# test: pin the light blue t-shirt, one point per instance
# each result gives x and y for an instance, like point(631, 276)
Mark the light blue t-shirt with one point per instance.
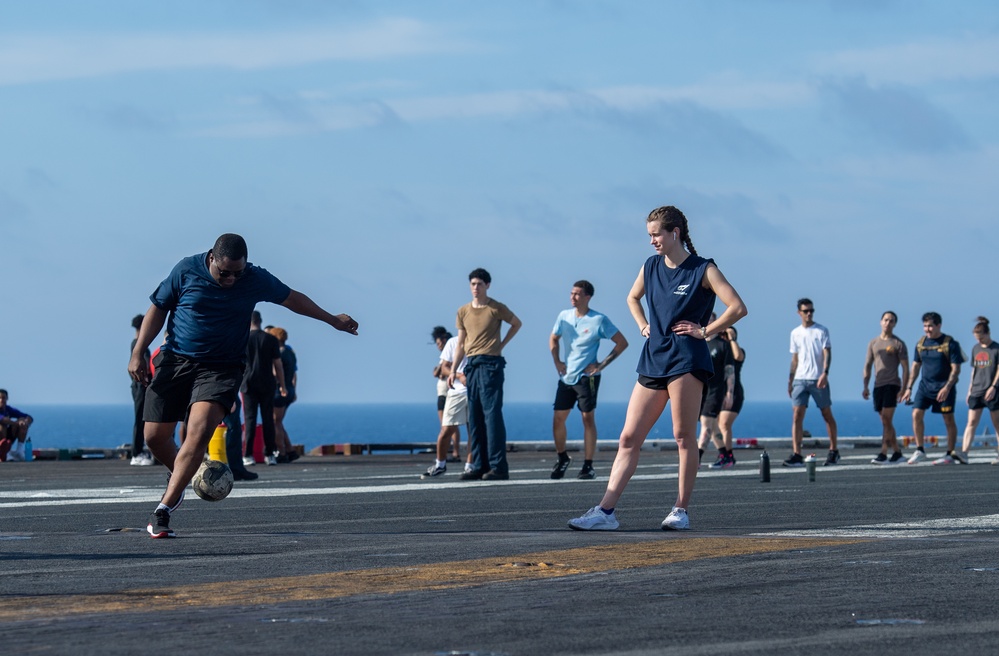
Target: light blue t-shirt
point(581, 337)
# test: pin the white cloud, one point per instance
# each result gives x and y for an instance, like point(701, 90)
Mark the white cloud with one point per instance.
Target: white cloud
point(918, 62)
point(27, 59)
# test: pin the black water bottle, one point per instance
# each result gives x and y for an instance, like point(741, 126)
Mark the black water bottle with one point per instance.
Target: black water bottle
point(765, 467)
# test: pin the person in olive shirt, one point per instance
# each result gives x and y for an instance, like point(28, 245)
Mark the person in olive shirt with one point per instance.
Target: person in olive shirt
point(479, 326)
point(888, 355)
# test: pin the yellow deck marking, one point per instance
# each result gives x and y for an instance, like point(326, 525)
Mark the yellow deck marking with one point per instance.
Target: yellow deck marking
point(388, 580)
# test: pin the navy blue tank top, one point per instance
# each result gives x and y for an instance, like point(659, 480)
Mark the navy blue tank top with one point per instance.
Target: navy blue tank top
point(675, 295)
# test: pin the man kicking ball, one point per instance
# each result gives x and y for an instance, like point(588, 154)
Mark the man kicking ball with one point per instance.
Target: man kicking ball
point(208, 298)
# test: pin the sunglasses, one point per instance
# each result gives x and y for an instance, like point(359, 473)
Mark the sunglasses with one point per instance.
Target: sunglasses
point(230, 274)
point(808, 311)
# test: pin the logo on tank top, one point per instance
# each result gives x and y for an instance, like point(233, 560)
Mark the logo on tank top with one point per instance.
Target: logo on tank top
point(681, 290)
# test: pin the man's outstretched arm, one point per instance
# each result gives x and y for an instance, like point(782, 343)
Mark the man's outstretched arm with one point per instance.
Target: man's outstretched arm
point(299, 303)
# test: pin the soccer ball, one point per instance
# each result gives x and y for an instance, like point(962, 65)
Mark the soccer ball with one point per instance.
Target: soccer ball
point(213, 482)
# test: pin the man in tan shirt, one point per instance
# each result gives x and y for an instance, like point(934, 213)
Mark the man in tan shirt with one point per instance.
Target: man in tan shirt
point(479, 326)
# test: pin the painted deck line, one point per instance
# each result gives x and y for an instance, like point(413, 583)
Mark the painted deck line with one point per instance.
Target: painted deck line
point(930, 528)
point(391, 580)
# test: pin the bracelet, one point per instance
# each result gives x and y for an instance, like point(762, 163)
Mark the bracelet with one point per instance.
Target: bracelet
point(704, 332)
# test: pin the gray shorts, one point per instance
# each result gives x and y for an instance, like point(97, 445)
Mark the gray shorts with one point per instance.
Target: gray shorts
point(802, 389)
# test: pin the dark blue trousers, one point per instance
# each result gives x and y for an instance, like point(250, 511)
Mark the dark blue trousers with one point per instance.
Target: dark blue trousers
point(484, 379)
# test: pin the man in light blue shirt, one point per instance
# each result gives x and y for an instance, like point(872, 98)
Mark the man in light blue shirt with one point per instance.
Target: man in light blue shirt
point(579, 374)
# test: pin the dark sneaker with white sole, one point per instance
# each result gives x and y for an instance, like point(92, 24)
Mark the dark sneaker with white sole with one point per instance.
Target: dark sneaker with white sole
point(159, 525)
point(561, 466)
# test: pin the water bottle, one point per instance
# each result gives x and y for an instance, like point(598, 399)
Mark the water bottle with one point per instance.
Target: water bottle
point(765, 467)
point(810, 467)
point(29, 454)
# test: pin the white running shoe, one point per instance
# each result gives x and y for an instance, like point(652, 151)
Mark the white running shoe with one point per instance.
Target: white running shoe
point(142, 460)
point(946, 460)
point(960, 457)
point(676, 520)
point(248, 461)
point(917, 456)
point(595, 519)
point(270, 460)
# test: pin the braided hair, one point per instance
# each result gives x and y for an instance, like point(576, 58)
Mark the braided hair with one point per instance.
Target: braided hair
point(671, 218)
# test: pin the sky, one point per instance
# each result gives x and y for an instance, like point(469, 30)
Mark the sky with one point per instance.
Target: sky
point(373, 153)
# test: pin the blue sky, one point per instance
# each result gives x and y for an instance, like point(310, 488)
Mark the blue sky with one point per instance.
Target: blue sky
point(373, 153)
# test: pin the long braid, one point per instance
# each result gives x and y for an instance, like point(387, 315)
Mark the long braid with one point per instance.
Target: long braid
point(685, 235)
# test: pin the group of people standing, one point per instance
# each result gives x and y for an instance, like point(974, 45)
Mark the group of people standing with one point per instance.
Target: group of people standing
point(679, 289)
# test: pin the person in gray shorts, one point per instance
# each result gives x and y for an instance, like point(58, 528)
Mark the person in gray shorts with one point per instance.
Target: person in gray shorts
point(811, 355)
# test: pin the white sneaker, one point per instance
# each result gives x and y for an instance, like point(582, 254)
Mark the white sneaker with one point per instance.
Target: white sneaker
point(946, 460)
point(270, 460)
point(141, 460)
point(595, 519)
point(248, 461)
point(676, 520)
point(960, 457)
point(917, 456)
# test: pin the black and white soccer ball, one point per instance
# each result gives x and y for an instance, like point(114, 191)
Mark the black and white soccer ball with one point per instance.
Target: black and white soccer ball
point(213, 482)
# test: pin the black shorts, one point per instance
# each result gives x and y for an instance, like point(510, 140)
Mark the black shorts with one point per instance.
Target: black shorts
point(179, 382)
point(284, 401)
point(441, 402)
point(712, 400)
point(654, 383)
point(977, 402)
point(583, 393)
point(925, 398)
point(738, 398)
point(885, 396)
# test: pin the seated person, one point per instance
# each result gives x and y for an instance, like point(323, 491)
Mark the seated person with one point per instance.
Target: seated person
point(13, 430)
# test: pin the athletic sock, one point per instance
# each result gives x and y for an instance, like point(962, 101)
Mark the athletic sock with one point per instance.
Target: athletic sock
point(163, 506)
point(605, 511)
point(441, 463)
point(563, 456)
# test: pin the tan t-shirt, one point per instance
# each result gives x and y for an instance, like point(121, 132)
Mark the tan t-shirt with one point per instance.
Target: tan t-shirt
point(482, 327)
point(887, 355)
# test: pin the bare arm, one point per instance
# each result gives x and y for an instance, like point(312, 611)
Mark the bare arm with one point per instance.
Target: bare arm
point(620, 343)
point(868, 363)
point(515, 325)
point(794, 369)
point(301, 304)
point(826, 361)
point(553, 341)
point(635, 303)
point(152, 324)
point(916, 366)
point(278, 367)
point(459, 355)
point(955, 371)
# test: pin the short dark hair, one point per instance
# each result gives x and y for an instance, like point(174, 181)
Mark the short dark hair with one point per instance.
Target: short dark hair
point(481, 274)
point(230, 246)
point(440, 332)
point(4, 392)
point(256, 319)
point(893, 315)
point(585, 286)
point(933, 317)
point(804, 301)
point(137, 321)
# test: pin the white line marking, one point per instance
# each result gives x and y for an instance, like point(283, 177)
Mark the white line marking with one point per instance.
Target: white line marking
point(930, 528)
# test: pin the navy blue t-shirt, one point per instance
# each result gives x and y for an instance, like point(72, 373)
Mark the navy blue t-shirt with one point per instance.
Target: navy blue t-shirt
point(675, 295)
point(935, 357)
point(209, 323)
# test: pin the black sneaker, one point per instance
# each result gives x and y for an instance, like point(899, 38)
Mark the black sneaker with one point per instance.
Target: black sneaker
point(586, 473)
point(471, 475)
point(434, 470)
point(719, 463)
point(493, 475)
point(243, 475)
point(879, 459)
point(159, 525)
point(558, 471)
point(896, 458)
point(795, 461)
point(832, 458)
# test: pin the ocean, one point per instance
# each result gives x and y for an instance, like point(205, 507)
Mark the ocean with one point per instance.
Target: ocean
point(315, 424)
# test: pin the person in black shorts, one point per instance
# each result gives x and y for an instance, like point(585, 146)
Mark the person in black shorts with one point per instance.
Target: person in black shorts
point(206, 303)
point(938, 357)
point(734, 391)
point(716, 393)
point(983, 389)
point(889, 357)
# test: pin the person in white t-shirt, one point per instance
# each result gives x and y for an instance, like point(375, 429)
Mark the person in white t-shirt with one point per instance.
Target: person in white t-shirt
point(811, 355)
point(455, 413)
